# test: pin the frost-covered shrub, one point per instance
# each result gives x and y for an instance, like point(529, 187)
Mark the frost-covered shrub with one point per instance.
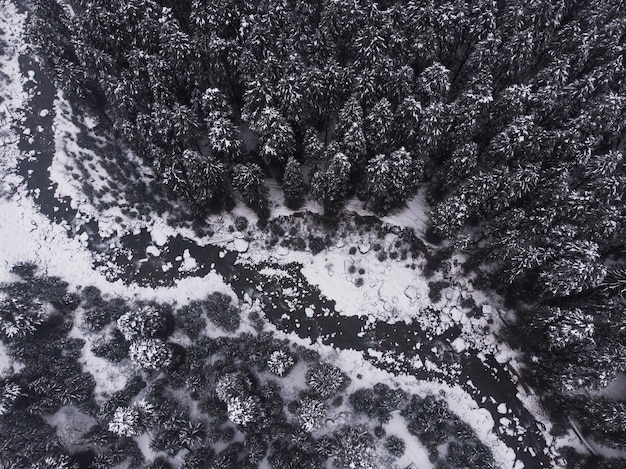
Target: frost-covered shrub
point(316, 244)
point(221, 312)
point(280, 363)
point(353, 448)
point(132, 420)
point(142, 323)
point(311, 414)
point(21, 316)
point(242, 410)
point(231, 385)
point(9, 393)
point(326, 380)
point(395, 445)
point(198, 458)
point(189, 319)
point(150, 354)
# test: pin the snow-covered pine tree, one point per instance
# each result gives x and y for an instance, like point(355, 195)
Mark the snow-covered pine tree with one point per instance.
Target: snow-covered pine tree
point(330, 186)
point(391, 179)
point(280, 362)
point(150, 354)
point(349, 132)
point(311, 414)
point(293, 184)
point(142, 323)
point(248, 180)
point(379, 127)
point(326, 380)
point(132, 420)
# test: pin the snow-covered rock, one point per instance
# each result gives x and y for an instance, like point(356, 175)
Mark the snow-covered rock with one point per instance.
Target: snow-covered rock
point(153, 251)
point(458, 345)
point(241, 245)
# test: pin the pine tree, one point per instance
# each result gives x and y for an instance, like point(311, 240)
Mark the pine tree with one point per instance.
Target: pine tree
point(311, 414)
point(391, 179)
point(293, 184)
point(378, 127)
point(132, 420)
point(248, 180)
point(150, 354)
point(280, 363)
point(142, 323)
point(330, 186)
point(326, 380)
point(349, 133)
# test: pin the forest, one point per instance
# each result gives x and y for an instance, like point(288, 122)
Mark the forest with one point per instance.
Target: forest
point(510, 115)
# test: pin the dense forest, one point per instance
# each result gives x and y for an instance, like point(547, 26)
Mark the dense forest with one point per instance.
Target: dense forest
point(510, 115)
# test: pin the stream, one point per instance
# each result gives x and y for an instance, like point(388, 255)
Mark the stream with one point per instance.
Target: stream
point(488, 382)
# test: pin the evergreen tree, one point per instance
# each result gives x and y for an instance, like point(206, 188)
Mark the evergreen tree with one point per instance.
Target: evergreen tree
point(391, 179)
point(249, 181)
point(293, 184)
point(330, 186)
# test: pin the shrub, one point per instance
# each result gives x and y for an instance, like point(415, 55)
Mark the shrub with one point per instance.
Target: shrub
point(326, 380)
point(150, 354)
point(280, 363)
point(241, 223)
point(311, 414)
point(316, 245)
point(189, 319)
point(221, 312)
point(395, 445)
point(435, 288)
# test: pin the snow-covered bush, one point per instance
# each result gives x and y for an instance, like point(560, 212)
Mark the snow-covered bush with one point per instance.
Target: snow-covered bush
point(132, 420)
point(221, 312)
point(8, 395)
point(311, 414)
point(142, 323)
point(150, 354)
point(243, 410)
point(395, 445)
point(326, 380)
point(280, 363)
point(19, 317)
point(353, 448)
point(232, 385)
point(54, 462)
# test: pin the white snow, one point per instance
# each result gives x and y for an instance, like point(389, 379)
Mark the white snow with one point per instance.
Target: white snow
point(415, 452)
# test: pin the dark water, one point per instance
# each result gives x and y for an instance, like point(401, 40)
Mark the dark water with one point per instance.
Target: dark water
point(490, 378)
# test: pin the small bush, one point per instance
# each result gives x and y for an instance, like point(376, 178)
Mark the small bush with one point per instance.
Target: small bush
point(221, 312)
point(145, 322)
point(326, 380)
point(359, 282)
point(316, 245)
point(352, 251)
point(189, 319)
point(395, 445)
point(435, 288)
point(241, 223)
